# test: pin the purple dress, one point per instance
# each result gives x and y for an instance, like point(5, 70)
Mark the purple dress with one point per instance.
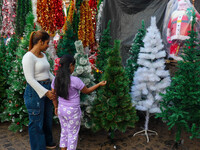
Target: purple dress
point(69, 114)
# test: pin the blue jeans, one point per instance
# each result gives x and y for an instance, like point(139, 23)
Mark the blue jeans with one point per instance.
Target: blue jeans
point(40, 112)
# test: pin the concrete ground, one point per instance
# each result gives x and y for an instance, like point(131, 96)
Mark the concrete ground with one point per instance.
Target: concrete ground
point(99, 141)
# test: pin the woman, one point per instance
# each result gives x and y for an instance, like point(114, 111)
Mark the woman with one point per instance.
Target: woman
point(38, 93)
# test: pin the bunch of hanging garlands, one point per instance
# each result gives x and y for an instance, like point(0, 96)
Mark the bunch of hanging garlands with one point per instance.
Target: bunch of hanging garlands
point(8, 13)
point(86, 29)
point(50, 15)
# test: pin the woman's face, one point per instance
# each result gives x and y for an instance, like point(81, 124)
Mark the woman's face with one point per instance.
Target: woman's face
point(45, 45)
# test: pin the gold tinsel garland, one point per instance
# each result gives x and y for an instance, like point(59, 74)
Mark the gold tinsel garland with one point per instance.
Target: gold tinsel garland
point(45, 15)
point(86, 30)
point(70, 14)
point(50, 15)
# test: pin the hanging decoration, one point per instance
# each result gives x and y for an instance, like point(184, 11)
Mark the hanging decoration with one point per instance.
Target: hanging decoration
point(93, 7)
point(34, 8)
point(86, 30)
point(23, 8)
point(99, 20)
point(51, 49)
point(59, 15)
point(70, 13)
point(50, 15)
point(1, 3)
point(9, 14)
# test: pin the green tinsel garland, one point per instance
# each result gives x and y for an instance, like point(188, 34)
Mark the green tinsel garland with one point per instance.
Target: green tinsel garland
point(23, 7)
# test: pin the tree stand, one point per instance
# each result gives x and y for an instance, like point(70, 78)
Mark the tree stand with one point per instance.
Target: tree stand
point(146, 130)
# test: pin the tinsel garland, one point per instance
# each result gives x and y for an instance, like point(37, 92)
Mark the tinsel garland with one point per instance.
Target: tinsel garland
point(34, 8)
point(99, 20)
point(69, 14)
point(50, 15)
point(99, 3)
point(86, 30)
point(1, 3)
point(23, 8)
point(59, 15)
point(9, 14)
point(93, 7)
point(78, 4)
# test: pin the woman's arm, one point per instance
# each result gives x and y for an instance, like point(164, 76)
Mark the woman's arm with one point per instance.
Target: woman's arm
point(86, 90)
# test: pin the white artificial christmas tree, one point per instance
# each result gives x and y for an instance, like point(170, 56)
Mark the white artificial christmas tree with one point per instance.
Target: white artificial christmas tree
point(151, 78)
point(83, 71)
point(51, 49)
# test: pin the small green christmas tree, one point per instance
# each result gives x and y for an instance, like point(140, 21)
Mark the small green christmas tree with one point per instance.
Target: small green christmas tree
point(66, 43)
point(102, 57)
point(112, 110)
point(75, 23)
point(83, 71)
point(132, 65)
point(15, 109)
point(181, 103)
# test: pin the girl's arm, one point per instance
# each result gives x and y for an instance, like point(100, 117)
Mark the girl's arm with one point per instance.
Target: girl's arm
point(86, 90)
point(55, 103)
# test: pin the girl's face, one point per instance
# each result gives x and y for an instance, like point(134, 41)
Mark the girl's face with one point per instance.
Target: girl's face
point(72, 67)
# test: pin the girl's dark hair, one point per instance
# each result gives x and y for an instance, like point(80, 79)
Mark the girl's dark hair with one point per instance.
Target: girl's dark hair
point(62, 80)
point(36, 36)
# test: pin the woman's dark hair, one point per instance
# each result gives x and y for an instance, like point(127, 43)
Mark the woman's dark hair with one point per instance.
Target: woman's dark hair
point(36, 36)
point(62, 80)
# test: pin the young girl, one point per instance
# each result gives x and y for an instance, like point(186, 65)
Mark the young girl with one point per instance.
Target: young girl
point(67, 88)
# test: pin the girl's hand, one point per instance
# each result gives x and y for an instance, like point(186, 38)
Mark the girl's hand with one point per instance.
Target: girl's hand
point(56, 111)
point(102, 83)
point(50, 95)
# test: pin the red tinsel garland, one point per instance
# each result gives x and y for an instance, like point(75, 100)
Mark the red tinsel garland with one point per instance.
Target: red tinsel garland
point(59, 16)
point(50, 15)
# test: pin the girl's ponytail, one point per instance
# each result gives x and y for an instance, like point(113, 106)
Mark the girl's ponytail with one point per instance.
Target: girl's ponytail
point(31, 41)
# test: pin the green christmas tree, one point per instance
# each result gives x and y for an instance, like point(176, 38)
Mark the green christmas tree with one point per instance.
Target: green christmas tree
point(83, 71)
point(66, 43)
point(181, 103)
point(2, 75)
point(75, 22)
point(15, 109)
point(10, 53)
point(102, 57)
point(23, 8)
point(112, 110)
point(132, 65)
point(7, 53)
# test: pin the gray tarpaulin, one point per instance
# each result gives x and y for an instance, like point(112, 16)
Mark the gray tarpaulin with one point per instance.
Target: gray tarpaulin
point(126, 17)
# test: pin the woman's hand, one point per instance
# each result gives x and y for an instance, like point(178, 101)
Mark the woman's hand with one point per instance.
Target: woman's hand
point(102, 83)
point(56, 111)
point(51, 95)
